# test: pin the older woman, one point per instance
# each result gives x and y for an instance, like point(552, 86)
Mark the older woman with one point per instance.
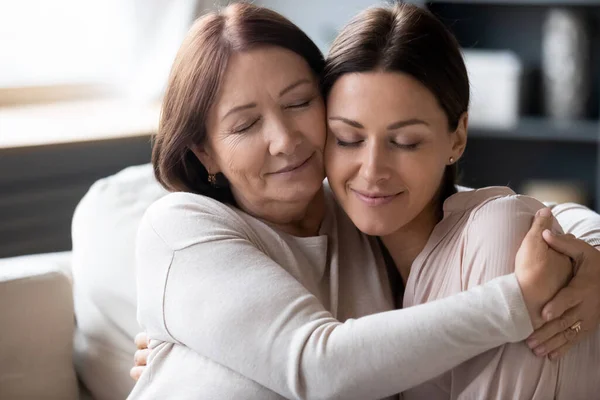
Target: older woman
point(253, 283)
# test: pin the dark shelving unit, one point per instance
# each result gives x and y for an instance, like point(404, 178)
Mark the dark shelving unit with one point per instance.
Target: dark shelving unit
point(538, 147)
point(568, 3)
point(538, 128)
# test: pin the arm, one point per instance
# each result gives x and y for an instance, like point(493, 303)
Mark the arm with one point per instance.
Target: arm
point(253, 317)
point(511, 370)
point(579, 221)
point(580, 300)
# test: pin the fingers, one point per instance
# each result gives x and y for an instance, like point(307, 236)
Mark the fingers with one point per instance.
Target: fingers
point(561, 351)
point(136, 372)
point(556, 337)
point(564, 300)
point(552, 328)
point(543, 220)
point(565, 244)
point(141, 341)
point(140, 358)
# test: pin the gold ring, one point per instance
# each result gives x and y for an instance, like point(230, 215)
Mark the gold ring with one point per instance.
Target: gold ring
point(576, 327)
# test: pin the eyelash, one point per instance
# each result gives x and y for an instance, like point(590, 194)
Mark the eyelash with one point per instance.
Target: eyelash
point(299, 105)
point(408, 147)
point(341, 143)
point(293, 106)
point(247, 127)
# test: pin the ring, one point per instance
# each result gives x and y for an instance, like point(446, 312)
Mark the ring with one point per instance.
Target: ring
point(576, 327)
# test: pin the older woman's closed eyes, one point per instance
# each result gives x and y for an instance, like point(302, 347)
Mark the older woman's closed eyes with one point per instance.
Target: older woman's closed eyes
point(252, 280)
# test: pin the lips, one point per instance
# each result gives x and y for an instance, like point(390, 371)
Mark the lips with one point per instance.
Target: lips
point(294, 166)
point(375, 198)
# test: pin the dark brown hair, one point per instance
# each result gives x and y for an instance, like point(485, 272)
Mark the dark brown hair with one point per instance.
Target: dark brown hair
point(407, 39)
point(195, 81)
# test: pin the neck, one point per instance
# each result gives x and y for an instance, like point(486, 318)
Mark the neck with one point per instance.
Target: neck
point(409, 241)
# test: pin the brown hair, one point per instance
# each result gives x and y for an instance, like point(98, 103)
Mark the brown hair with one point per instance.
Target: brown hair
point(195, 81)
point(408, 39)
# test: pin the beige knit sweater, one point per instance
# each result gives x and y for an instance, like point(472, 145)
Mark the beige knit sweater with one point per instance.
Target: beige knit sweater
point(239, 310)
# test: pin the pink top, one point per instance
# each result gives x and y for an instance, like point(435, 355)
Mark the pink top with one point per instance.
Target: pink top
point(477, 241)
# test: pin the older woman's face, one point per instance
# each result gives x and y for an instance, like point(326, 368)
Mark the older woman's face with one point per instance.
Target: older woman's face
point(267, 131)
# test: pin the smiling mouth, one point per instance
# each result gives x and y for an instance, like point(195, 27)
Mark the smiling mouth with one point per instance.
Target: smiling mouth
point(293, 167)
point(375, 199)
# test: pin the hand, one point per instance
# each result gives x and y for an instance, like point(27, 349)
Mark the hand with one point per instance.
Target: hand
point(141, 355)
point(540, 270)
point(579, 301)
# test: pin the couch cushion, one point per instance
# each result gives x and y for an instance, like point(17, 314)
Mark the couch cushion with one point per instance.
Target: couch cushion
point(104, 229)
point(37, 320)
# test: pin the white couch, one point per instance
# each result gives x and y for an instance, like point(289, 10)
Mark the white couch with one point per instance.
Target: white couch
point(72, 315)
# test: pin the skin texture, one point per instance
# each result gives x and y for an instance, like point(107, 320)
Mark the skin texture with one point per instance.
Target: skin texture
point(285, 129)
point(269, 116)
point(388, 147)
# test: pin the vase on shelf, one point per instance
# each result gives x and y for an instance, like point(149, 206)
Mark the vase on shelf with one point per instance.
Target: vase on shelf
point(566, 64)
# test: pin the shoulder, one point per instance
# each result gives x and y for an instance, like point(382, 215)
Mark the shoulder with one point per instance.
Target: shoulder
point(496, 204)
point(183, 219)
point(508, 212)
point(501, 222)
point(493, 233)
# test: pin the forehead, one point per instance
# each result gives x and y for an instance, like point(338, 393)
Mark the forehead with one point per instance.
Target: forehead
point(378, 93)
point(261, 70)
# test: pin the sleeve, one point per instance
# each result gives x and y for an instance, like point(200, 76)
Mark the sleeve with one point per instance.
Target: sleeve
point(580, 221)
point(210, 288)
point(494, 235)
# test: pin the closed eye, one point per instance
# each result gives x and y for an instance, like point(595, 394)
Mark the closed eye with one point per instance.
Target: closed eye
point(342, 143)
point(247, 127)
point(412, 146)
point(299, 105)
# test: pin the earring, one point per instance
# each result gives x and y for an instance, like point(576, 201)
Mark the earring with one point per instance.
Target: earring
point(451, 160)
point(212, 179)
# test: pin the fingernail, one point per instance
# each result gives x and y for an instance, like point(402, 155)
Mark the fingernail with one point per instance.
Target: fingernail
point(548, 232)
point(540, 351)
point(544, 212)
point(532, 343)
point(548, 316)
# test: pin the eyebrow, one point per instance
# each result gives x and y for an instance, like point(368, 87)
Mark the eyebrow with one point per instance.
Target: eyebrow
point(395, 125)
point(238, 108)
point(408, 122)
point(347, 121)
point(252, 105)
point(293, 86)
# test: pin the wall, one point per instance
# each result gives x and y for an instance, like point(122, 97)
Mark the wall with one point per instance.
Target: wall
point(321, 20)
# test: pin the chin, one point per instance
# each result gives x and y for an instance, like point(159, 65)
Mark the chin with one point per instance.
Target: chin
point(308, 188)
point(375, 228)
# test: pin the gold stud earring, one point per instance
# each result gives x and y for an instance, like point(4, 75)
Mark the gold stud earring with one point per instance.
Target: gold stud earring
point(212, 179)
point(451, 160)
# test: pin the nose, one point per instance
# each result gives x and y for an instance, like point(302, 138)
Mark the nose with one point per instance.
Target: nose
point(283, 136)
point(374, 166)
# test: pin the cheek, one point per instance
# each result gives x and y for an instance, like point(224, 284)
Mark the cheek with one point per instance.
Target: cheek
point(335, 166)
point(243, 157)
point(314, 126)
point(422, 174)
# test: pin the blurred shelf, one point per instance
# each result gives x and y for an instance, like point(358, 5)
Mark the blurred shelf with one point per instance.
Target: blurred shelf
point(531, 128)
point(569, 3)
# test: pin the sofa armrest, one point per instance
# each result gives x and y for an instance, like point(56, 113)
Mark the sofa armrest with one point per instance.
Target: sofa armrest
point(38, 322)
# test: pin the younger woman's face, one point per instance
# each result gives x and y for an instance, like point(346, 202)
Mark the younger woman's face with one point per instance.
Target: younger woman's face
point(387, 148)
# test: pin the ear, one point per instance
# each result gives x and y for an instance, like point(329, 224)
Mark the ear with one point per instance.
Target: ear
point(459, 136)
point(204, 154)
